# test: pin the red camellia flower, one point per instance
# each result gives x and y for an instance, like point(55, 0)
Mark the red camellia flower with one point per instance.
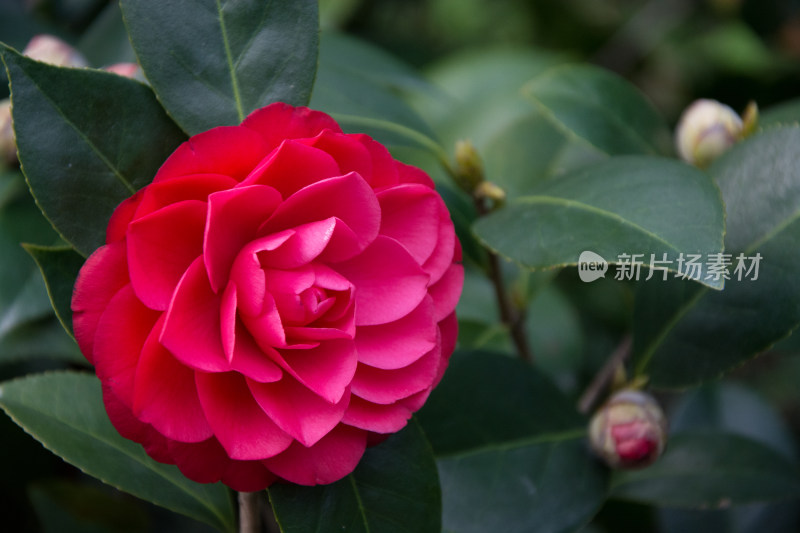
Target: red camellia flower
point(281, 295)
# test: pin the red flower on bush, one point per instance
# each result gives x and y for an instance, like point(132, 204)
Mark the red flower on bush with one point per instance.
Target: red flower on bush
point(280, 296)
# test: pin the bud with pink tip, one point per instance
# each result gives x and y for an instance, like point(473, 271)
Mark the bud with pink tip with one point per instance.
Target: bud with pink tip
point(54, 51)
point(8, 149)
point(128, 70)
point(629, 431)
point(706, 130)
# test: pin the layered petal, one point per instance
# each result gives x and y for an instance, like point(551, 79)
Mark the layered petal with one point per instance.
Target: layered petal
point(292, 166)
point(399, 343)
point(238, 422)
point(280, 121)
point(161, 246)
point(298, 411)
point(388, 386)
point(375, 417)
point(228, 150)
point(329, 460)
point(347, 198)
point(122, 332)
point(234, 217)
point(389, 283)
point(165, 394)
point(407, 212)
point(192, 329)
point(100, 278)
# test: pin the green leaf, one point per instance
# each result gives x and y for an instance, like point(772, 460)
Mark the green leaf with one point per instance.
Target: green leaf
point(510, 449)
point(601, 109)
point(106, 42)
point(625, 205)
point(64, 411)
point(87, 140)
point(362, 88)
point(547, 487)
point(732, 408)
point(23, 298)
point(735, 409)
point(394, 489)
point(516, 403)
point(44, 338)
point(787, 113)
point(711, 470)
point(212, 62)
point(683, 333)
point(59, 266)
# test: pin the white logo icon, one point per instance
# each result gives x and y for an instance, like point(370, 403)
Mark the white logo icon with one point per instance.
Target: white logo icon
point(591, 266)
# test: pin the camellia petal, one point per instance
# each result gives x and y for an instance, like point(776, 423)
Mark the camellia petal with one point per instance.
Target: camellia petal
point(233, 220)
point(376, 417)
point(192, 326)
point(280, 121)
point(118, 350)
point(406, 215)
point(165, 394)
point(399, 343)
point(348, 198)
point(157, 256)
point(229, 150)
point(240, 425)
point(292, 166)
point(329, 460)
point(298, 411)
point(389, 283)
point(388, 386)
point(102, 276)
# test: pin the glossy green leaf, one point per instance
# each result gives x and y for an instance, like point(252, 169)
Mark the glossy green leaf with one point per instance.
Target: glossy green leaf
point(516, 403)
point(44, 338)
point(87, 140)
point(59, 266)
point(548, 486)
point(683, 333)
point(106, 42)
point(601, 109)
point(510, 449)
point(64, 411)
point(736, 409)
point(394, 489)
point(362, 88)
point(23, 298)
point(711, 470)
point(212, 62)
point(625, 205)
point(733, 408)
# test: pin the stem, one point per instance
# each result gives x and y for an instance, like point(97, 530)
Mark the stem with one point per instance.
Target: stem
point(249, 515)
point(605, 375)
point(510, 315)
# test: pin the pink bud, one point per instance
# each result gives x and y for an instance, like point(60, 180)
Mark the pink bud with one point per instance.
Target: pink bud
point(629, 431)
point(129, 70)
point(8, 149)
point(54, 51)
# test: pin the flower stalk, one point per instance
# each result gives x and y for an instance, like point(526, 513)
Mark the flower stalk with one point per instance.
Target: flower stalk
point(487, 196)
point(249, 512)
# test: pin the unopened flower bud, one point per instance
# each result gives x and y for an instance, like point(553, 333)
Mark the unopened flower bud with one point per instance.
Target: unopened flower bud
point(629, 431)
point(469, 168)
point(54, 51)
point(128, 70)
point(8, 149)
point(706, 130)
